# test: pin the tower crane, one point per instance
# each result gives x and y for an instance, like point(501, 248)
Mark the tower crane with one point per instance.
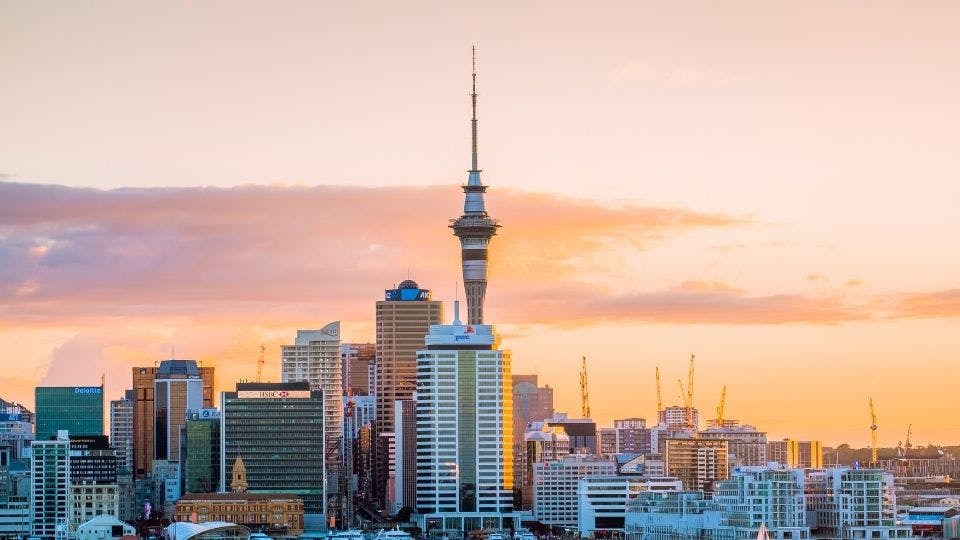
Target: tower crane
point(907, 445)
point(723, 401)
point(260, 363)
point(584, 393)
point(873, 434)
point(689, 399)
point(659, 397)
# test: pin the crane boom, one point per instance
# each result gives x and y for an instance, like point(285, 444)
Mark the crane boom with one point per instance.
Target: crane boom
point(907, 445)
point(659, 397)
point(723, 401)
point(584, 393)
point(689, 398)
point(873, 434)
point(260, 363)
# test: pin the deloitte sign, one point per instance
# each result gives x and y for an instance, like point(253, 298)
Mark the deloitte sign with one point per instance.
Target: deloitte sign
point(87, 390)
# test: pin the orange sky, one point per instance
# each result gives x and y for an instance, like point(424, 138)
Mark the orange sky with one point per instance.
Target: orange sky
point(772, 187)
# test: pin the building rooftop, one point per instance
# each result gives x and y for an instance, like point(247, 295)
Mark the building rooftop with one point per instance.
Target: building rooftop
point(178, 369)
point(245, 496)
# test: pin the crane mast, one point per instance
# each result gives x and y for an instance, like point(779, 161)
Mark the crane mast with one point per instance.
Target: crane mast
point(659, 397)
point(260, 364)
point(873, 434)
point(584, 393)
point(723, 401)
point(689, 397)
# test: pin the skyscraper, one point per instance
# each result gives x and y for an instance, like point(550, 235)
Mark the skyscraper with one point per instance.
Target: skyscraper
point(315, 358)
point(143, 413)
point(50, 485)
point(475, 227)
point(403, 318)
point(121, 431)
point(77, 409)
point(356, 359)
point(530, 403)
point(177, 389)
point(465, 421)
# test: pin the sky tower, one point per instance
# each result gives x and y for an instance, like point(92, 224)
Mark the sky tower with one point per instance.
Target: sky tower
point(474, 228)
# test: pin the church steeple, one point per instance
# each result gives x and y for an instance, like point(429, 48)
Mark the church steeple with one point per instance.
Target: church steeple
point(474, 228)
point(238, 484)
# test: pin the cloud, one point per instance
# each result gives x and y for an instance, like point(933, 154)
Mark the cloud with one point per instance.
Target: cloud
point(69, 254)
point(944, 303)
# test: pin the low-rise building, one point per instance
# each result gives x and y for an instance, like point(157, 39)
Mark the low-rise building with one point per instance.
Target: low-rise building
point(270, 512)
point(104, 527)
point(603, 500)
point(555, 498)
point(852, 503)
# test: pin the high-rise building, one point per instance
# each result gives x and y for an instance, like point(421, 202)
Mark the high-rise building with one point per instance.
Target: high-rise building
point(93, 487)
point(200, 452)
point(541, 443)
point(746, 446)
point(278, 428)
point(177, 388)
point(121, 431)
point(465, 424)
point(405, 445)
point(530, 403)
point(51, 502)
point(144, 413)
point(796, 454)
point(698, 463)
point(356, 359)
point(403, 318)
point(474, 228)
point(77, 409)
point(16, 427)
point(315, 358)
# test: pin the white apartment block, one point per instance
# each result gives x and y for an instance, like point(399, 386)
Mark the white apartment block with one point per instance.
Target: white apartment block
point(853, 504)
point(50, 500)
point(556, 483)
point(603, 499)
point(755, 496)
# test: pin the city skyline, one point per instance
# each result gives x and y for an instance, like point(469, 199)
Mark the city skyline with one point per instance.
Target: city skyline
point(789, 225)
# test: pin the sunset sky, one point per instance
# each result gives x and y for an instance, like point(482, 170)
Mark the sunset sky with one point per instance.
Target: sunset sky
point(772, 186)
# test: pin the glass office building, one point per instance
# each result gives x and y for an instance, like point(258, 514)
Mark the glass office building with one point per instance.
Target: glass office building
point(77, 409)
point(278, 429)
point(200, 452)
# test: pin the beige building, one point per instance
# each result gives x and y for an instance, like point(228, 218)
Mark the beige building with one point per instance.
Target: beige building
point(796, 454)
point(403, 319)
point(697, 462)
point(91, 500)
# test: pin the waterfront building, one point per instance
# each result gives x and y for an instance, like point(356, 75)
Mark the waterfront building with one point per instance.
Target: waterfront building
point(602, 500)
point(77, 409)
point(674, 515)
point(852, 503)
point(555, 485)
point(464, 421)
point(278, 429)
point(758, 496)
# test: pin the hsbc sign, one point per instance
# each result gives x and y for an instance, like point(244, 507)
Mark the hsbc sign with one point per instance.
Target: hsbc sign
point(273, 394)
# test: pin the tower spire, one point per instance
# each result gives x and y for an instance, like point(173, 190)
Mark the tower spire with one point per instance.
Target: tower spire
point(474, 228)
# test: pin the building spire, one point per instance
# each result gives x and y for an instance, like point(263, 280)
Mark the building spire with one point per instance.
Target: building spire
point(474, 168)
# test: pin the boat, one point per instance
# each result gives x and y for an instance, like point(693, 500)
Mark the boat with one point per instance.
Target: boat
point(394, 534)
point(349, 534)
point(524, 535)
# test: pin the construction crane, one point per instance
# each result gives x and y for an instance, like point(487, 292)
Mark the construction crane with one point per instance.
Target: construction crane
point(584, 394)
point(907, 446)
point(260, 363)
point(723, 401)
point(873, 434)
point(659, 397)
point(689, 399)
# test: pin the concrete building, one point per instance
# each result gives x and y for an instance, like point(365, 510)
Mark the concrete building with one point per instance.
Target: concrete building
point(405, 444)
point(674, 515)
point(698, 463)
point(356, 359)
point(796, 454)
point(465, 425)
point(530, 403)
point(582, 432)
point(746, 446)
point(121, 432)
point(603, 500)
point(16, 427)
point(852, 504)
point(675, 416)
point(555, 485)
point(144, 412)
point(94, 489)
point(755, 496)
point(50, 504)
point(77, 409)
point(403, 318)
point(315, 358)
point(177, 388)
point(278, 429)
point(541, 443)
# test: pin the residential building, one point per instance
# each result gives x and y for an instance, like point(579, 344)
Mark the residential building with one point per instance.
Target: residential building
point(315, 358)
point(852, 504)
point(759, 496)
point(674, 515)
point(602, 500)
point(403, 318)
point(555, 485)
point(464, 421)
point(675, 416)
point(698, 463)
point(746, 446)
point(278, 429)
point(77, 409)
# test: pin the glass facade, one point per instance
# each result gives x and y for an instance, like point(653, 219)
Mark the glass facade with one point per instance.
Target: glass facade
point(278, 430)
point(200, 453)
point(77, 409)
